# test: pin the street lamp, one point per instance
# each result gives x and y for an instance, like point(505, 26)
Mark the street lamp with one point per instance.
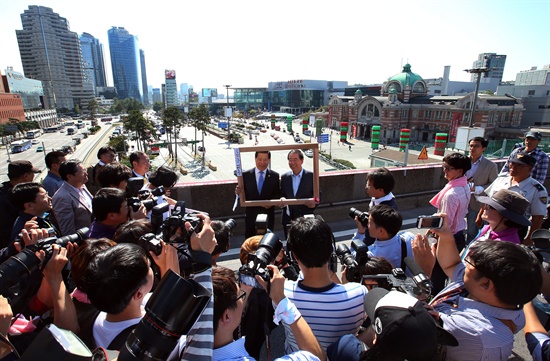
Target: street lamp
point(228, 114)
point(477, 71)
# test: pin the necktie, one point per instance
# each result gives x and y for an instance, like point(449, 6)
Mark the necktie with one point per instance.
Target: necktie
point(260, 182)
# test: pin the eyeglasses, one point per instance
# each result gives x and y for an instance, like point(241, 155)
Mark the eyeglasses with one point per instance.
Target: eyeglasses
point(243, 296)
point(470, 263)
point(448, 168)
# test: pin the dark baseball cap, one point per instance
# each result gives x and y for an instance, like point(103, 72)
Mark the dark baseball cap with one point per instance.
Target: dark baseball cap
point(19, 168)
point(403, 324)
point(533, 134)
point(524, 158)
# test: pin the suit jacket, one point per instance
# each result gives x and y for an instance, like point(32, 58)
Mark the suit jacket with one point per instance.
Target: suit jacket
point(71, 212)
point(485, 175)
point(305, 190)
point(270, 190)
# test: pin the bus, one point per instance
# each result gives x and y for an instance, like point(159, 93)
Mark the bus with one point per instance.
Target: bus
point(51, 129)
point(20, 146)
point(35, 133)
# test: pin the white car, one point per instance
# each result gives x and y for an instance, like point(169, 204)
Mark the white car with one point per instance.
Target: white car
point(35, 141)
point(308, 153)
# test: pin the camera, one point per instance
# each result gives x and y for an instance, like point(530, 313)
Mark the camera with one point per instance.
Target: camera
point(23, 264)
point(143, 194)
point(135, 202)
point(429, 222)
point(418, 286)
point(261, 224)
point(354, 259)
point(363, 217)
point(268, 249)
point(168, 229)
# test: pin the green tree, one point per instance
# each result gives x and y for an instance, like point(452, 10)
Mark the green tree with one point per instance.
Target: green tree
point(157, 106)
point(171, 118)
point(136, 122)
point(119, 143)
point(77, 109)
point(93, 108)
point(200, 118)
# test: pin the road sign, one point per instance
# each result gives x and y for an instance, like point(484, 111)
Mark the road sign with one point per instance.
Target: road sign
point(423, 154)
point(222, 125)
point(322, 138)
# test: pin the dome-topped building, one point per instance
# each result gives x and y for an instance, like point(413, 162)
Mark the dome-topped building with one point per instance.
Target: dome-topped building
point(406, 84)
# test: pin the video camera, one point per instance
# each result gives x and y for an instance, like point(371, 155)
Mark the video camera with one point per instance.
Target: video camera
point(363, 217)
point(17, 268)
point(354, 259)
point(419, 286)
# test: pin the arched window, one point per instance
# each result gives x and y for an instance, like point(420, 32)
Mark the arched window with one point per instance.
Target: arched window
point(419, 87)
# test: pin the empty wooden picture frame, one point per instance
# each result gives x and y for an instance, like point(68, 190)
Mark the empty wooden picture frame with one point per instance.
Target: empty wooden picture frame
point(274, 148)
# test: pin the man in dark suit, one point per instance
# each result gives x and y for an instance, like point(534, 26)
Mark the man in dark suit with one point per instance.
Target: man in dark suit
point(480, 176)
point(260, 183)
point(296, 184)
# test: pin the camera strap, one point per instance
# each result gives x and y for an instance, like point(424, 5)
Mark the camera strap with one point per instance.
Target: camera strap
point(403, 252)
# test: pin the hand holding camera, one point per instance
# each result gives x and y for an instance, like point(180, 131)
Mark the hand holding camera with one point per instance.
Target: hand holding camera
point(166, 259)
point(205, 240)
point(277, 284)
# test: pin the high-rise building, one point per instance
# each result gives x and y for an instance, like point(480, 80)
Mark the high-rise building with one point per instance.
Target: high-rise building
point(126, 64)
point(157, 97)
point(94, 63)
point(144, 77)
point(490, 60)
point(171, 89)
point(184, 95)
point(51, 52)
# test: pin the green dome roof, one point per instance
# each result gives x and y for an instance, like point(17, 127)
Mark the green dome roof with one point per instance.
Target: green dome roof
point(406, 77)
point(358, 91)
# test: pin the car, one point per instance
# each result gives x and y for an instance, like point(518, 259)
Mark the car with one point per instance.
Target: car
point(308, 153)
point(40, 149)
point(61, 130)
point(35, 141)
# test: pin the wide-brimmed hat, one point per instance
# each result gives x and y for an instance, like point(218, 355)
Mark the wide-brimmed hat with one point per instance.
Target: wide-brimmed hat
point(510, 204)
point(524, 158)
point(402, 323)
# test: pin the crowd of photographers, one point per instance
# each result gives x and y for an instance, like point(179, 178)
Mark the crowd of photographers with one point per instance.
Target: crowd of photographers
point(105, 254)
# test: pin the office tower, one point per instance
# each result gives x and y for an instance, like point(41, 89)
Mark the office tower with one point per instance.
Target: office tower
point(50, 52)
point(144, 77)
point(126, 64)
point(171, 89)
point(92, 56)
point(490, 60)
point(184, 95)
point(157, 97)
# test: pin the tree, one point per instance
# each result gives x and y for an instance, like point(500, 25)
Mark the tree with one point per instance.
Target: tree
point(77, 109)
point(136, 122)
point(200, 118)
point(93, 108)
point(157, 106)
point(119, 143)
point(171, 118)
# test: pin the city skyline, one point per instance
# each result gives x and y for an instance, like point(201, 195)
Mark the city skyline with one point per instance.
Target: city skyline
point(248, 44)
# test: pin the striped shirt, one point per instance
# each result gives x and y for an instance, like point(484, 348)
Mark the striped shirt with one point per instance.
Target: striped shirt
point(331, 312)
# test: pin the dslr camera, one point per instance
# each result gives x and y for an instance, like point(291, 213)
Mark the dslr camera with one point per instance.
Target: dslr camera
point(363, 217)
point(267, 251)
point(354, 259)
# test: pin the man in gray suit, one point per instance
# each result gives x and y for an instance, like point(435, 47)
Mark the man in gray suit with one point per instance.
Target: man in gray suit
point(72, 203)
point(480, 176)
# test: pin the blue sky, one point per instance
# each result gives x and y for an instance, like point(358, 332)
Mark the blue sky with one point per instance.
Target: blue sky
point(248, 43)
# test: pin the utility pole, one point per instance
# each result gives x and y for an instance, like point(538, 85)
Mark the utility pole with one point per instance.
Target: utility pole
point(479, 71)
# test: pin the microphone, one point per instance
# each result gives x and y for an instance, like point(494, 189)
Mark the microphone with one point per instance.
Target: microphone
point(420, 277)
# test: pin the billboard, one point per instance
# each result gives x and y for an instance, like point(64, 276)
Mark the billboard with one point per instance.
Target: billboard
point(209, 92)
point(170, 74)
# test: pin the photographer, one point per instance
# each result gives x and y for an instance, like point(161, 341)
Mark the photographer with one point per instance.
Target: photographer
point(482, 306)
point(222, 231)
point(114, 175)
point(229, 301)
point(317, 297)
point(384, 225)
point(110, 210)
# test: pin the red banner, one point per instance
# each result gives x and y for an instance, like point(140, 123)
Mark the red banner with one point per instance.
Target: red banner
point(455, 121)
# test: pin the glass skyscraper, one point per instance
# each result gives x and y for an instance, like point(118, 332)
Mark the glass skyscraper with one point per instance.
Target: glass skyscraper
point(92, 56)
point(144, 77)
point(126, 64)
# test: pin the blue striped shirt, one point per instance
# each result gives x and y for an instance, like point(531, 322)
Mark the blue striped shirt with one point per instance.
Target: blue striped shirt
point(331, 312)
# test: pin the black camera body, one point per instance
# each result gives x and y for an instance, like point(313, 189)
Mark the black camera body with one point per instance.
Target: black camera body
point(23, 264)
point(363, 217)
point(416, 287)
point(135, 202)
point(354, 259)
point(267, 251)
